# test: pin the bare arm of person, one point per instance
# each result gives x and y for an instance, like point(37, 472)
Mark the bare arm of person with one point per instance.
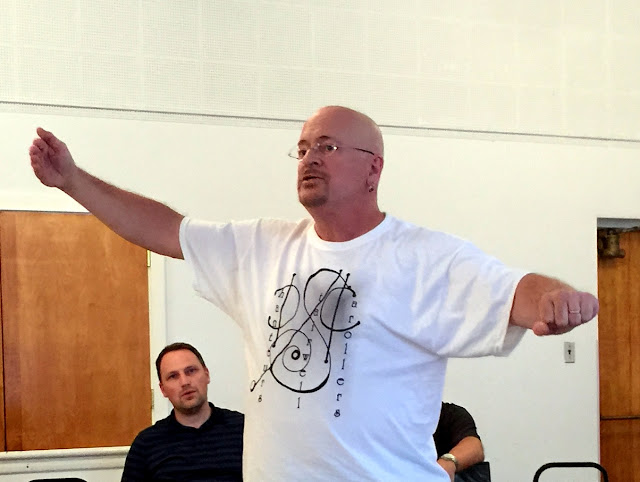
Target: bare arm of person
point(468, 451)
point(138, 219)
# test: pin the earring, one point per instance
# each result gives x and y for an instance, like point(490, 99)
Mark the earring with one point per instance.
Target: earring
point(370, 188)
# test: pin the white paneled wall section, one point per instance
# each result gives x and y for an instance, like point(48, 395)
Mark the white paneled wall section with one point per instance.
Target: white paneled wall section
point(556, 67)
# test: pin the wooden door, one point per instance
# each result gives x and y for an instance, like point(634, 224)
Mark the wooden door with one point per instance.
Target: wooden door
point(3, 441)
point(619, 351)
point(75, 327)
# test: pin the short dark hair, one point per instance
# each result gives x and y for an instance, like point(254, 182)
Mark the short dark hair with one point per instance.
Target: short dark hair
point(175, 347)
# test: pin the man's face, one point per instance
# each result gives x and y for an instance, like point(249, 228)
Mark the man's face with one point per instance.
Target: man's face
point(183, 380)
point(341, 178)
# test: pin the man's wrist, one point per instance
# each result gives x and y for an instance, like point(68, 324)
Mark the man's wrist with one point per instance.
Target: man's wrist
point(450, 458)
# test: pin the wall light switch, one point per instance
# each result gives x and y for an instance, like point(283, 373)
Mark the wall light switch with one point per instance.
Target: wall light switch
point(569, 352)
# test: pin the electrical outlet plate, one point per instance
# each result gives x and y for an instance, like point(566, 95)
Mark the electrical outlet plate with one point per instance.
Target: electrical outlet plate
point(569, 352)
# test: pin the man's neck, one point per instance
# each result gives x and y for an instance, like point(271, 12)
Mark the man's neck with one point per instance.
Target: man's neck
point(196, 419)
point(337, 227)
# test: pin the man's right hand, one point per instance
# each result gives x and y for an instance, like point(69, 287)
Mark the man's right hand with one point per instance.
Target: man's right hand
point(51, 160)
point(138, 219)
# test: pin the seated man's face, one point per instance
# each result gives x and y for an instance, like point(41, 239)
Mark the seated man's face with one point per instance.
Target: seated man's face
point(184, 381)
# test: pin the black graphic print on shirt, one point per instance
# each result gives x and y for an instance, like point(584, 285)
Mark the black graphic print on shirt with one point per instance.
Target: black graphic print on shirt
point(309, 334)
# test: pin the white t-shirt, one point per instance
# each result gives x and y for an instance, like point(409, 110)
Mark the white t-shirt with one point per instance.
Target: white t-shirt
point(347, 343)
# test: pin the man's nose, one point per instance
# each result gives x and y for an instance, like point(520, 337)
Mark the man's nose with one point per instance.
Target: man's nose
point(312, 156)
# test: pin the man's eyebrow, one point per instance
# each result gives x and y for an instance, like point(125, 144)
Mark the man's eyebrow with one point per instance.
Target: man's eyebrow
point(173, 372)
point(319, 139)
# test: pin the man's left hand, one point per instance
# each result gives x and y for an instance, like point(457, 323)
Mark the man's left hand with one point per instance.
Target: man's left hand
point(561, 310)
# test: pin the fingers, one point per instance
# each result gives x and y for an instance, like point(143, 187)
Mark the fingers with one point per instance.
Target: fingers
point(540, 328)
point(46, 135)
point(38, 151)
point(48, 139)
point(563, 309)
point(38, 145)
point(34, 150)
point(42, 145)
point(46, 147)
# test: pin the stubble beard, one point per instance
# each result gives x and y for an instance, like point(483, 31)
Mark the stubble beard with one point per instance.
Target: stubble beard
point(312, 199)
point(191, 409)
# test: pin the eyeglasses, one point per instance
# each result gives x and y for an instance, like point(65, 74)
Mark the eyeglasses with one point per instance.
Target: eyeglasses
point(322, 149)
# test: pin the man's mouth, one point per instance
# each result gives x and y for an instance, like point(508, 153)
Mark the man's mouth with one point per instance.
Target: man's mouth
point(310, 177)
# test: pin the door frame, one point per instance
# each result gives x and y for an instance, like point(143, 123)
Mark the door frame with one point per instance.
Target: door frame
point(607, 223)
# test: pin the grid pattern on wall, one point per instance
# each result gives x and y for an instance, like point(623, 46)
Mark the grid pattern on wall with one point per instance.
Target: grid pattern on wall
point(558, 67)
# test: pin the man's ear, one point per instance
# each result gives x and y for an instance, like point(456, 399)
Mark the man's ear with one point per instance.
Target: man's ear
point(206, 370)
point(375, 170)
point(378, 164)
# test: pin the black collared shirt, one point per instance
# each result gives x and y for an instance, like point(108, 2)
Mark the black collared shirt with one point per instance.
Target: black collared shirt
point(170, 451)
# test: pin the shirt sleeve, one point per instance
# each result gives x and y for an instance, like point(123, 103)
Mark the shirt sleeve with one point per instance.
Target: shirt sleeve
point(477, 295)
point(211, 250)
point(226, 259)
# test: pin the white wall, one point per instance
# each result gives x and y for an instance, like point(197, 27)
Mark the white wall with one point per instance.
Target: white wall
point(533, 204)
point(559, 67)
point(102, 464)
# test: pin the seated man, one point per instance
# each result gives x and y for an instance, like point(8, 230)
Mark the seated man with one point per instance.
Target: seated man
point(197, 441)
point(458, 445)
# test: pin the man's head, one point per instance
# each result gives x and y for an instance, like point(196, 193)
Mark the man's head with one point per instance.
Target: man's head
point(344, 177)
point(183, 377)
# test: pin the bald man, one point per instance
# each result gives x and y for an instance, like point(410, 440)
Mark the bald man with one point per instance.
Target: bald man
point(349, 316)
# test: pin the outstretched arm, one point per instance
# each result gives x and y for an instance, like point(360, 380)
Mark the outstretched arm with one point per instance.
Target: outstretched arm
point(550, 307)
point(138, 219)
